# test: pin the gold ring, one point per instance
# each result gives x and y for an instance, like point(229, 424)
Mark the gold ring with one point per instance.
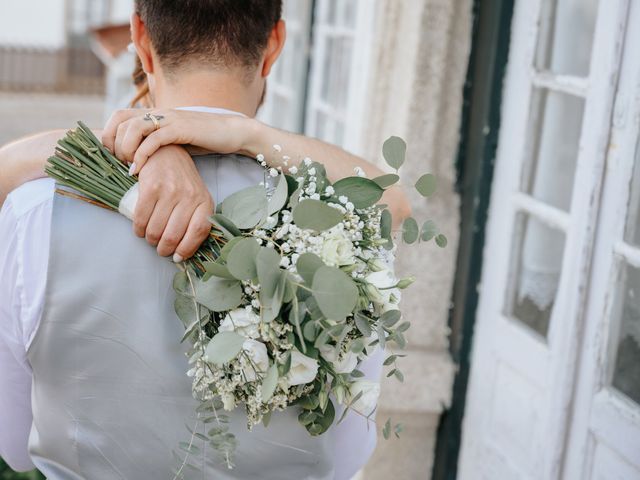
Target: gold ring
point(154, 118)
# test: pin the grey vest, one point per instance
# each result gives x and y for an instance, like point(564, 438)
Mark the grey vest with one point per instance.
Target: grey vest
point(110, 395)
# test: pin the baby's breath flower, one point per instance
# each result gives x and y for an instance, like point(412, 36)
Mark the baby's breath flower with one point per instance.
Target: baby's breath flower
point(277, 147)
point(293, 170)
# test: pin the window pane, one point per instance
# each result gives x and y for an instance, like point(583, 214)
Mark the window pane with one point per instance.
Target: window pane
point(336, 71)
point(566, 36)
point(556, 120)
point(633, 217)
point(626, 374)
point(536, 262)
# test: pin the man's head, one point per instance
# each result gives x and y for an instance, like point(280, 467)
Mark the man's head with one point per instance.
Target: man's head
point(242, 38)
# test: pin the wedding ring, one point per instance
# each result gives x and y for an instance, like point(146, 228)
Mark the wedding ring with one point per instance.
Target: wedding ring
point(154, 118)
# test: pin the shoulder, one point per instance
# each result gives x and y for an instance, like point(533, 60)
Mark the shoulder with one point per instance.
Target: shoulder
point(29, 197)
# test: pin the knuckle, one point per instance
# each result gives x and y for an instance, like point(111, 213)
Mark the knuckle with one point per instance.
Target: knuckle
point(153, 237)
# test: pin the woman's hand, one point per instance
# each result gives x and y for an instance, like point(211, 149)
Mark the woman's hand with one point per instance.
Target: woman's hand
point(133, 138)
point(174, 204)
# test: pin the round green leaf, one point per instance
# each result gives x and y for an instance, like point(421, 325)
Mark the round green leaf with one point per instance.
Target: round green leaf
point(269, 383)
point(241, 260)
point(218, 294)
point(226, 225)
point(316, 215)
point(410, 230)
point(387, 180)
point(360, 191)
point(224, 347)
point(272, 282)
point(394, 150)
point(429, 230)
point(246, 208)
point(441, 240)
point(307, 265)
point(335, 292)
point(279, 197)
point(427, 185)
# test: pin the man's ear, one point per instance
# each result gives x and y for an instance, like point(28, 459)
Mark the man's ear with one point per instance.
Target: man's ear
point(142, 43)
point(275, 43)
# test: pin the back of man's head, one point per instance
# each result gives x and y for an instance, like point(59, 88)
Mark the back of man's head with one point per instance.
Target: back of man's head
point(224, 33)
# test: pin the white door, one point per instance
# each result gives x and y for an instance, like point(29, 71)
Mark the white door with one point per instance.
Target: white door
point(604, 440)
point(556, 123)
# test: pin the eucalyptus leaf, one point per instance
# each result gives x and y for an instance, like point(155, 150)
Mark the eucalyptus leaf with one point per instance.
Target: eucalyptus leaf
point(269, 383)
point(224, 251)
point(181, 284)
point(241, 260)
point(410, 230)
point(247, 207)
point(394, 151)
point(427, 185)
point(269, 277)
point(387, 180)
point(185, 309)
point(390, 318)
point(227, 226)
point(223, 347)
point(217, 270)
point(363, 324)
point(429, 230)
point(218, 294)
point(441, 240)
point(279, 197)
point(316, 215)
point(385, 228)
point(362, 192)
point(307, 265)
point(335, 292)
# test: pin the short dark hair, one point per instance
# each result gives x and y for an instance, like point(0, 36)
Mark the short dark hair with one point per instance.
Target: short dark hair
point(214, 32)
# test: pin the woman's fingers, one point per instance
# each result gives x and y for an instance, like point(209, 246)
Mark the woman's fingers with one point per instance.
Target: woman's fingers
point(197, 232)
point(111, 128)
point(136, 130)
point(175, 229)
point(150, 145)
point(144, 209)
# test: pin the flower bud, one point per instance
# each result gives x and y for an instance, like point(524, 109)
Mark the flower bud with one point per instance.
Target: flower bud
point(405, 282)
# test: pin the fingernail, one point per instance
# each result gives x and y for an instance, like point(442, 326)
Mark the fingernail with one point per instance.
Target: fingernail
point(177, 258)
point(132, 168)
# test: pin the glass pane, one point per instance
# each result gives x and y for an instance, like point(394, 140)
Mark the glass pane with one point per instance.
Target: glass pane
point(556, 121)
point(632, 234)
point(566, 36)
point(336, 71)
point(536, 262)
point(626, 374)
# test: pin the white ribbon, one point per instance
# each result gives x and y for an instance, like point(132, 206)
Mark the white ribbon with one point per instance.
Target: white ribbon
point(128, 203)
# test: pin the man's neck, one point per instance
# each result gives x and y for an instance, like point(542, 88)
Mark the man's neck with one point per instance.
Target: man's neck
point(207, 89)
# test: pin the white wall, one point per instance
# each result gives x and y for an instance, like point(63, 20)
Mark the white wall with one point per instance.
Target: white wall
point(121, 11)
point(36, 23)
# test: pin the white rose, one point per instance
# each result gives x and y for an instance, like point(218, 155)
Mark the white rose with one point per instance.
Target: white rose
point(344, 363)
point(243, 321)
point(369, 399)
point(337, 249)
point(257, 352)
point(387, 298)
point(303, 369)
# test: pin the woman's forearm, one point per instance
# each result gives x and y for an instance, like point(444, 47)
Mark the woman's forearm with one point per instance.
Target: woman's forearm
point(24, 159)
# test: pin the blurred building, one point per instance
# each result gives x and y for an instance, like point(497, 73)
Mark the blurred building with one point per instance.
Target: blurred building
point(524, 351)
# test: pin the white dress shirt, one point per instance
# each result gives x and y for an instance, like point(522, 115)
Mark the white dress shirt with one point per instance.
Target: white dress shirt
point(25, 228)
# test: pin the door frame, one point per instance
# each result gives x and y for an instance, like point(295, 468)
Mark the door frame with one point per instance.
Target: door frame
point(479, 134)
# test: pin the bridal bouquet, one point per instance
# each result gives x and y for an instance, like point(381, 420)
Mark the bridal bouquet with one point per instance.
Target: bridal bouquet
point(290, 292)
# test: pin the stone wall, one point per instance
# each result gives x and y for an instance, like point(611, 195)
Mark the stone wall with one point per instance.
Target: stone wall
point(419, 68)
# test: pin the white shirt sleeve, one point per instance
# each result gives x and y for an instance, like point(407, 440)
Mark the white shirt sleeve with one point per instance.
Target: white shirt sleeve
point(24, 253)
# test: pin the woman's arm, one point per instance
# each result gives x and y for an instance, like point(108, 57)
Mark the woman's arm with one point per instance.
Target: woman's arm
point(134, 138)
point(24, 160)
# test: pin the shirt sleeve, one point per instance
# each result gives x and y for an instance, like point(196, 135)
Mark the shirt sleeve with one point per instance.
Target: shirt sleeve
point(15, 373)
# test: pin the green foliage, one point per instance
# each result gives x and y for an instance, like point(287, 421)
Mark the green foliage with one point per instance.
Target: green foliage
point(335, 292)
point(218, 294)
point(223, 347)
point(241, 261)
point(316, 215)
point(426, 185)
point(387, 180)
point(247, 207)
point(307, 265)
point(362, 192)
point(394, 151)
point(410, 230)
